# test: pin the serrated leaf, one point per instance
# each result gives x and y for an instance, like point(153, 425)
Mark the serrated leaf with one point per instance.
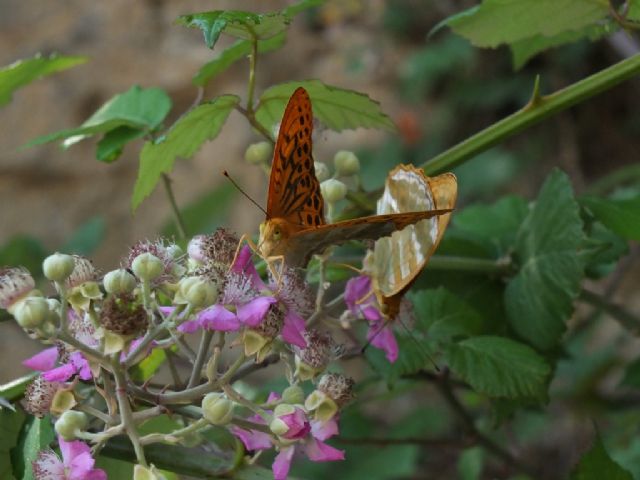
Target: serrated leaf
point(621, 216)
point(10, 426)
point(184, 139)
point(36, 434)
point(499, 367)
point(443, 316)
point(523, 50)
point(237, 23)
point(23, 72)
point(338, 108)
point(111, 145)
point(495, 22)
point(86, 238)
point(238, 51)
point(596, 464)
point(539, 299)
point(137, 108)
point(413, 356)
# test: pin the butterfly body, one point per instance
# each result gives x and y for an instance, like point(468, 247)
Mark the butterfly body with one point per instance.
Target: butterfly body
point(295, 227)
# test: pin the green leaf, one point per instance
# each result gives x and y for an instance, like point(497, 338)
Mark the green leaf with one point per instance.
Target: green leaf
point(111, 145)
point(525, 49)
point(137, 108)
point(601, 250)
point(634, 10)
point(238, 51)
point(298, 7)
point(443, 315)
point(540, 297)
point(202, 123)
point(206, 213)
point(23, 72)
point(240, 24)
point(495, 22)
point(413, 356)
point(14, 389)
point(500, 367)
point(470, 463)
point(86, 238)
point(23, 251)
point(338, 108)
point(621, 216)
point(631, 375)
point(596, 464)
point(148, 367)
point(36, 434)
point(10, 426)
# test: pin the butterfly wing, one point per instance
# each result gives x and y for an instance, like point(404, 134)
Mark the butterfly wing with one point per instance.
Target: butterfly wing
point(294, 190)
point(397, 260)
point(313, 240)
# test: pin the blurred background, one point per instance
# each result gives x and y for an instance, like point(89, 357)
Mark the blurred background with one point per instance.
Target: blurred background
point(438, 90)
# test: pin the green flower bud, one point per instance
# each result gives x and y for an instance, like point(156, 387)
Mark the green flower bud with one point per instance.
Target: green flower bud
point(333, 190)
point(119, 281)
point(144, 473)
point(32, 312)
point(346, 163)
point(58, 267)
point(196, 291)
point(293, 394)
point(258, 153)
point(217, 409)
point(147, 266)
point(322, 171)
point(283, 409)
point(69, 423)
point(278, 427)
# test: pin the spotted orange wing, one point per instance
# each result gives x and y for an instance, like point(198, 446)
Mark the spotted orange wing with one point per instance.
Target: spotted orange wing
point(294, 190)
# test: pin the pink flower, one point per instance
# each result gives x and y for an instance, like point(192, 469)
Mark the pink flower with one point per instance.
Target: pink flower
point(46, 360)
point(76, 464)
point(253, 439)
point(362, 302)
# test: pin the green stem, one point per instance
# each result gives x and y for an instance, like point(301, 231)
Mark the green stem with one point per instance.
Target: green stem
point(539, 108)
point(253, 59)
point(501, 266)
point(182, 231)
point(203, 349)
point(626, 319)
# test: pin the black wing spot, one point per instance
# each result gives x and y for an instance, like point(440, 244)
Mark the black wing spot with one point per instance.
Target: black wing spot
point(299, 168)
point(307, 162)
point(305, 147)
point(287, 138)
point(299, 109)
point(309, 202)
point(300, 134)
point(316, 202)
point(301, 120)
point(317, 219)
point(306, 131)
point(300, 154)
point(310, 219)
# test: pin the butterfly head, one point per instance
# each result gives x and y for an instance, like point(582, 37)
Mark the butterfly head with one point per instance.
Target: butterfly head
point(274, 234)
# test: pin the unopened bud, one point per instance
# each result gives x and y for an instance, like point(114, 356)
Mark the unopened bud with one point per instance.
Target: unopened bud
point(70, 423)
point(322, 171)
point(333, 190)
point(119, 281)
point(31, 312)
point(147, 266)
point(293, 395)
point(346, 163)
point(147, 473)
point(58, 267)
point(217, 409)
point(196, 291)
point(258, 153)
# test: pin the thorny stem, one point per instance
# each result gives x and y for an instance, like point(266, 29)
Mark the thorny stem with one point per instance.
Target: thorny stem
point(203, 350)
point(125, 411)
point(182, 231)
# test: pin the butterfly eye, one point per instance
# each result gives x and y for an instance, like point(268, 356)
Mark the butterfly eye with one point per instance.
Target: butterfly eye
point(276, 234)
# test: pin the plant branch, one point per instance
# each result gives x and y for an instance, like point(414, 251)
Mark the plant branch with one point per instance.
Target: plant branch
point(250, 116)
point(182, 231)
point(539, 108)
point(203, 350)
point(625, 318)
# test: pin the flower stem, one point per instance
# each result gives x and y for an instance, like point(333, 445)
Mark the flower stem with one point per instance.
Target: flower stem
point(538, 108)
point(182, 231)
point(253, 60)
point(203, 350)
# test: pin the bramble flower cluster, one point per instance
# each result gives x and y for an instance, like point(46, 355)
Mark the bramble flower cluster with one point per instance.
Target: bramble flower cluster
point(97, 328)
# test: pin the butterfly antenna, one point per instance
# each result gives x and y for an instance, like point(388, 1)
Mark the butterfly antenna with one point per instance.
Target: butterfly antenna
point(226, 174)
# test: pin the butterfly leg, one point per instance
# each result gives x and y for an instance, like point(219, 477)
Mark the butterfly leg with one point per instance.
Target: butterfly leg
point(245, 238)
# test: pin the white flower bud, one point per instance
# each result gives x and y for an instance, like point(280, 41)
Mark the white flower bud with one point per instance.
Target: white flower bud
point(333, 190)
point(197, 291)
point(69, 423)
point(322, 171)
point(31, 312)
point(217, 409)
point(119, 281)
point(293, 395)
point(346, 163)
point(58, 267)
point(147, 266)
point(258, 153)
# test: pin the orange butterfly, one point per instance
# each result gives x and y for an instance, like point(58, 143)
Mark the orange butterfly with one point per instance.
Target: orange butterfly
point(295, 228)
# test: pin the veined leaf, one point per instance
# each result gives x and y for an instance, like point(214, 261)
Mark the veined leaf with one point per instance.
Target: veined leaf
point(10, 426)
point(500, 367)
point(137, 108)
point(36, 434)
point(338, 108)
point(183, 140)
point(596, 464)
point(111, 145)
point(23, 72)
point(240, 24)
point(621, 216)
point(495, 22)
point(540, 297)
point(235, 52)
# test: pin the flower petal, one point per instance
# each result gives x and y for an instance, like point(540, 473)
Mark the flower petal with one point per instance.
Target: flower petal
point(252, 439)
point(219, 318)
point(189, 326)
point(47, 466)
point(282, 463)
point(297, 423)
point(371, 313)
point(293, 329)
point(81, 365)
point(356, 289)
point(80, 466)
point(42, 361)
point(72, 449)
point(96, 474)
point(243, 264)
point(324, 430)
point(318, 451)
point(60, 374)
point(253, 312)
point(381, 336)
